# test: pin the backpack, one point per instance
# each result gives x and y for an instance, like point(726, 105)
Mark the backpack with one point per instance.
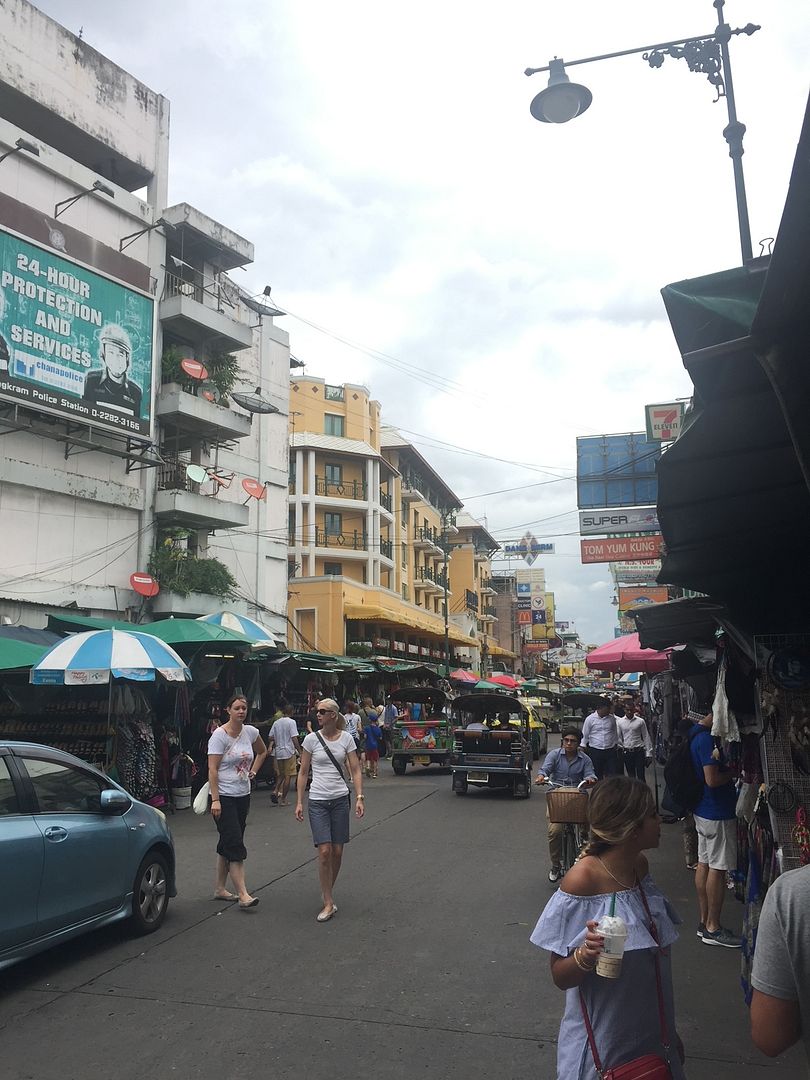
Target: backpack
point(684, 786)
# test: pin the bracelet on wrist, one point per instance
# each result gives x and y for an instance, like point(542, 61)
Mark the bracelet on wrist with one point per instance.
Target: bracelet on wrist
point(580, 962)
point(361, 796)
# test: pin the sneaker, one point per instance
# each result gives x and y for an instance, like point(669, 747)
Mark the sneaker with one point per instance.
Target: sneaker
point(555, 873)
point(274, 799)
point(701, 930)
point(723, 937)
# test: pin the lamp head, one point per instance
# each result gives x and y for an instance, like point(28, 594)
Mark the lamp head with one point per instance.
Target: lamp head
point(561, 100)
point(28, 146)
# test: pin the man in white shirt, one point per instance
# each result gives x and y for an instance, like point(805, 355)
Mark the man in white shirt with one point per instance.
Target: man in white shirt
point(635, 744)
point(285, 747)
point(600, 740)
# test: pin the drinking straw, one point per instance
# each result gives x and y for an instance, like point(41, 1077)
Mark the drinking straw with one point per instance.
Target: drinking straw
point(613, 905)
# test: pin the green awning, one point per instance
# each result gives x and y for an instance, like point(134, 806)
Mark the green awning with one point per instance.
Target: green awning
point(713, 309)
point(192, 632)
point(72, 624)
point(19, 654)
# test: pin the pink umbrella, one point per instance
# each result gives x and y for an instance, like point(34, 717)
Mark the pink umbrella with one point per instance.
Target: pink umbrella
point(504, 680)
point(626, 654)
point(463, 676)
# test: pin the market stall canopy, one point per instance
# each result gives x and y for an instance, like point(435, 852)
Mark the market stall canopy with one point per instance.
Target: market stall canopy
point(694, 619)
point(501, 679)
point(64, 623)
point(194, 632)
point(19, 654)
point(241, 624)
point(29, 635)
point(92, 658)
point(626, 654)
point(734, 489)
point(462, 676)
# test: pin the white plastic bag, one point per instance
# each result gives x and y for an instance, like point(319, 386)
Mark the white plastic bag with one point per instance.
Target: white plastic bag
point(200, 803)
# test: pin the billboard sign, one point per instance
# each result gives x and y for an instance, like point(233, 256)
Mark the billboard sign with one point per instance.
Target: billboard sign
point(528, 548)
point(73, 342)
point(621, 548)
point(617, 470)
point(665, 422)
point(637, 596)
point(632, 519)
point(524, 618)
point(641, 571)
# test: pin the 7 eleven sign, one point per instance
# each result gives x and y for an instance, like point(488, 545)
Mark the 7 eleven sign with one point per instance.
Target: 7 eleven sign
point(664, 422)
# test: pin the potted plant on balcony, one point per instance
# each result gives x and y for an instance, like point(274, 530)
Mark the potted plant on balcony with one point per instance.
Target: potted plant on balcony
point(358, 648)
point(179, 572)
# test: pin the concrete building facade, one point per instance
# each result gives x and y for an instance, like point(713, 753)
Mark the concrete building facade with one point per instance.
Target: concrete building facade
point(98, 272)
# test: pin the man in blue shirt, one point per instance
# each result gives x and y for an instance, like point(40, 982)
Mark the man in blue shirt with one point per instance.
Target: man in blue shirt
point(716, 824)
point(568, 766)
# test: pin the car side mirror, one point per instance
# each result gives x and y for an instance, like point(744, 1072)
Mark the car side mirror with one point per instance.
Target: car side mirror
point(114, 801)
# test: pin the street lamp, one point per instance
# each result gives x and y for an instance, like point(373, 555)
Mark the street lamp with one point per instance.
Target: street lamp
point(708, 55)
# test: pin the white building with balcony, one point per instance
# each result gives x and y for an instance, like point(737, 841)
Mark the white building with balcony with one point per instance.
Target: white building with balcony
point(112, 446)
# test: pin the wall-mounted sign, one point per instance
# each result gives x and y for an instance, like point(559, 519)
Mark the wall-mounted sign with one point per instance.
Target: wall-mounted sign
point(528, 548)
point(72, 342)
point(641, 571)
point(664, 422)
point(632, 597)
point(524, 618)
point(535, 646)
point(632, 519)
point(565, 655)
point(561, 625)
point(621, 548)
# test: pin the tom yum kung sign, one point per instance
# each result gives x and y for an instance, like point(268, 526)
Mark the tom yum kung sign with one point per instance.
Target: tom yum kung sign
point(621, 549)
point(73, 342)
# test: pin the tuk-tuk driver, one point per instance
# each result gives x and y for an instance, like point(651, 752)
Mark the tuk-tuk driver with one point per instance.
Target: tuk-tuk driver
point(568, 766)
point(503, 720)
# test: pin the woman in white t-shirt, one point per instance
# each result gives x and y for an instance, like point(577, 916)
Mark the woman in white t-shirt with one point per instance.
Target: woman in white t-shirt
point(329, 799)
point(235, 754)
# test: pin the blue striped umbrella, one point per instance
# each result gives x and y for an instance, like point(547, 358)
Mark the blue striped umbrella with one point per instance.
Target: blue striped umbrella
point(258, 633)
point(90, 659)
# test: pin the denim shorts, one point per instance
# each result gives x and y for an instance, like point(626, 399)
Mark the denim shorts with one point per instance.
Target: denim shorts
point(329, 820)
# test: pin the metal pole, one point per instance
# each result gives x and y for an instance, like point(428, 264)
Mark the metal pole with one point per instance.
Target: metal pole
point(733, 135)
point(446, 548)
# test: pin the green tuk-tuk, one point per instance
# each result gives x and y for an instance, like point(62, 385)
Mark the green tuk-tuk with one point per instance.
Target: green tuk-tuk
point(422, 733)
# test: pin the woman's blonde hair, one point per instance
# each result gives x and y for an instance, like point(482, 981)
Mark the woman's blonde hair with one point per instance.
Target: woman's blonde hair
point(330, 703)
point(616, 808)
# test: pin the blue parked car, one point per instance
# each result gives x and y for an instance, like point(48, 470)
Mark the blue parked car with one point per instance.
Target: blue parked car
point(78, 850)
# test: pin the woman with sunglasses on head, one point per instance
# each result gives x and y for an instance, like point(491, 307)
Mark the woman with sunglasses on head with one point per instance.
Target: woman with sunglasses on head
point(236, 753)
point(632, 1015)
point(328, 750)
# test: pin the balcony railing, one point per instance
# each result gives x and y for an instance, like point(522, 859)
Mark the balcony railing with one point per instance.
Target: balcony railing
point(386, 501)
point(220, 295)
point(344, 489)
point(171, 476)
point(353, 541)
point(489, 611)
point(432, 536)
point(471, 600)
point(387, 548)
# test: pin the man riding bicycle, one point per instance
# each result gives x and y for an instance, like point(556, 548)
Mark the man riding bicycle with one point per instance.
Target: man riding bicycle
point(567, 767)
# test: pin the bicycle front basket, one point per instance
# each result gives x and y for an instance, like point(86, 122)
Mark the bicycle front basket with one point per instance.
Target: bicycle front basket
point(567, 805)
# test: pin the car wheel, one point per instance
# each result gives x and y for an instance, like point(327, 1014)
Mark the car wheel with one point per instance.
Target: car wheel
point(150, 893)
point(399, 765)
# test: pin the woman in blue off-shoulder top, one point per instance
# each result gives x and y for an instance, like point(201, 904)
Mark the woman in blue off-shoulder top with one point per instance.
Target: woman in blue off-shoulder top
point(624, 1012)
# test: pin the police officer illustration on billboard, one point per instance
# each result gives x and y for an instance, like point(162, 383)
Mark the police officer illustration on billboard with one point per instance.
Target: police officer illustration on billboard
point(112, 386)
point(5, 352)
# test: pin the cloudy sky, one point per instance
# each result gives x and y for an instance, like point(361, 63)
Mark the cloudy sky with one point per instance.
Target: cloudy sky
point(493, 280)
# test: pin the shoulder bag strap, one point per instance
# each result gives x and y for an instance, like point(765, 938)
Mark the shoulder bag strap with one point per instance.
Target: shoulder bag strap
point(332, 757)
point(591, 1041)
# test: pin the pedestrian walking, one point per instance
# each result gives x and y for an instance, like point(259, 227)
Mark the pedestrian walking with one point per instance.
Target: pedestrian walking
point(374, 740)
point(285, 748)
point(630, 1016)
point(780, 1009)
point(600, 740)
point(635, 744)
point(354, 725)
point(328, 750)
point(389, 718)
point(716, 824)
point(235, 754)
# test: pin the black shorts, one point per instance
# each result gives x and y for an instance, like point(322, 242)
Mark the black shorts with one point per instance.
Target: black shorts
point(231, 827)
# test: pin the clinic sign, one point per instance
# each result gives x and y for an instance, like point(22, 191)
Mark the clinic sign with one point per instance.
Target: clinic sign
point(73, 342)
point(621, 548)
point(631, 519)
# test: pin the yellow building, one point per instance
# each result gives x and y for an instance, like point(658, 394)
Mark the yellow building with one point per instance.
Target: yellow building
point(472, 608)
point(366, 514)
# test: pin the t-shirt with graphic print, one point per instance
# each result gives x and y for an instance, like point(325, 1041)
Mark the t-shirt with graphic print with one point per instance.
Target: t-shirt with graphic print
point(237, 758)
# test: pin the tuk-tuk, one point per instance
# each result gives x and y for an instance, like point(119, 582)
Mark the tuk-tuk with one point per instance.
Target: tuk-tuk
point(492, 746)
point(538, 724)
point(422, 733)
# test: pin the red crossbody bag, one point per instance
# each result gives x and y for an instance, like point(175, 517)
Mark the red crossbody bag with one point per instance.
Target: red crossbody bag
point(650, 1066)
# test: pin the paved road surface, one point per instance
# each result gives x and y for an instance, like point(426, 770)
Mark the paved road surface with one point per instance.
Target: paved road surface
point(426, 971)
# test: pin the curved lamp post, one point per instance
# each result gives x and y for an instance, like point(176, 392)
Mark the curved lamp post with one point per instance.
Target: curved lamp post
point(708, 55)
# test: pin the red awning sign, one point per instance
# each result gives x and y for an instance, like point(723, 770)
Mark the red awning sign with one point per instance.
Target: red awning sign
point(144, 584)
point(621, 549)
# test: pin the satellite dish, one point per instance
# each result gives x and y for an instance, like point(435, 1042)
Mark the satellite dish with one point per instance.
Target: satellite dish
point(254, 489)
point(254, 403)
point(261, 309)
point(193, 368)
point(144, 584)
point(196, 474)
point(209, 392)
